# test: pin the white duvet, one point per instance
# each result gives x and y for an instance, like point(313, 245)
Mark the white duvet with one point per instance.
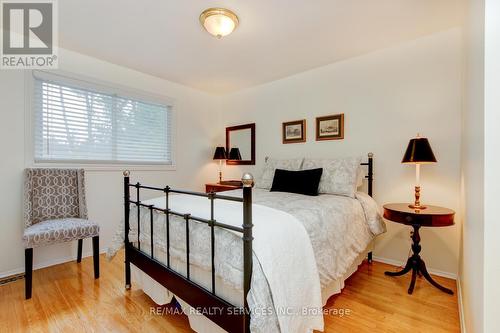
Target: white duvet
point(300, 244)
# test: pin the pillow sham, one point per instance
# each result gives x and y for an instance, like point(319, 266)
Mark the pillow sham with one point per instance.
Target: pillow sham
point(301, 182)
point(265, 181)
point(339, 176)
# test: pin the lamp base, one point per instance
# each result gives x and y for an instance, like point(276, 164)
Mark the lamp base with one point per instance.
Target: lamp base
point(417, 207)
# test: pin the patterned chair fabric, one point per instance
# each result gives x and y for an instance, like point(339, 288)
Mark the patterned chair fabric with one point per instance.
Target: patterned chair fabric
point(55, 210)
point(59, 231)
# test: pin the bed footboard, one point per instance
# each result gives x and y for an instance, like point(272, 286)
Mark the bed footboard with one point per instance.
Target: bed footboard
point(229, 317)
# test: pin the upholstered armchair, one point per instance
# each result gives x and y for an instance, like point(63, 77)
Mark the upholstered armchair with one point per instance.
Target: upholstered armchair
point(55, 211)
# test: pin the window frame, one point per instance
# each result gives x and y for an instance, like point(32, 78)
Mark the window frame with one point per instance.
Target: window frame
point(104, 87)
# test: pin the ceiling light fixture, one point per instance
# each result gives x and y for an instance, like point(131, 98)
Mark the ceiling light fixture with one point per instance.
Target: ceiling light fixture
point(219, 22)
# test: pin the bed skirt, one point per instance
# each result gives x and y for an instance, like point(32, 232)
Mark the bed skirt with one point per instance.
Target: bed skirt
point(199, 323)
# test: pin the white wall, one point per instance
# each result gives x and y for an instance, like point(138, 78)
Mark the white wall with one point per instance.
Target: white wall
point(387, 97)
point(479, 264)
point(492, 166)
point(472, 253)
point(194, 112)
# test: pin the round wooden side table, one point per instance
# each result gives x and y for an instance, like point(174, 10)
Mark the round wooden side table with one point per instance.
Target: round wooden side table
point(431, 216)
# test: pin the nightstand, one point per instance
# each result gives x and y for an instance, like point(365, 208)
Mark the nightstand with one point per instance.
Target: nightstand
point(431, 216)
point(218, 187)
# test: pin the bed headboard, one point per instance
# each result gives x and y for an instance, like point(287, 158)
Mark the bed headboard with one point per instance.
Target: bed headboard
point(368, 176)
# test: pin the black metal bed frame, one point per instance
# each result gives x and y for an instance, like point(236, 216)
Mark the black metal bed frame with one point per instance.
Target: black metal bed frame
point(224, 314)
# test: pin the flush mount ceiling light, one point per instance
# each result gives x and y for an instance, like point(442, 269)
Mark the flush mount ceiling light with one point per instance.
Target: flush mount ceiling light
point(219, 22)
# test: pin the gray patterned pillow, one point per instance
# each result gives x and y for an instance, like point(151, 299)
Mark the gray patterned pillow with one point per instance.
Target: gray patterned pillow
point(340, 175)
point(266, 179)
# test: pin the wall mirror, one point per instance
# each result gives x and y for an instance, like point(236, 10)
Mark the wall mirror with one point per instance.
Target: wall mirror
point(240, 144)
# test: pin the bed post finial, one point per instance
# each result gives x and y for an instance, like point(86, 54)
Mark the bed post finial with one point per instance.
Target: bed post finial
point(370, 155)
point(126, 173)
point(247, 179)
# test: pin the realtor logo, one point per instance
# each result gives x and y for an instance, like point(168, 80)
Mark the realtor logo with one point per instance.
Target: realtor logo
point(29, 34)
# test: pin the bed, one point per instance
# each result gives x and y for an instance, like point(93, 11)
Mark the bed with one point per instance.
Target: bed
point(247, 260)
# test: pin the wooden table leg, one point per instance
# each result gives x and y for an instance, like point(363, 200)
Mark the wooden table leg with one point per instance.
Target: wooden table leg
point(405, 270)
point(413, 280)
point(428, 277)
point(413, 261)
point(417, 265)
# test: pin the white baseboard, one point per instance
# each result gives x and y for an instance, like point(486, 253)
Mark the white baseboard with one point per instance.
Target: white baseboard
point(461, 312)
point(402, 263)
point(48, 263)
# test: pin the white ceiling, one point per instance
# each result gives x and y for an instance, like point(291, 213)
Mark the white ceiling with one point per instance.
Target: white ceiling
point(275, 39)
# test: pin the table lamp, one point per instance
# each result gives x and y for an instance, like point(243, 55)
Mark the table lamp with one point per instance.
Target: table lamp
point(419, 151)
point(220, 155)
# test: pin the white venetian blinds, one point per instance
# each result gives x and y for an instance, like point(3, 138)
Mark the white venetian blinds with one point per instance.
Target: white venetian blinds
point(88, 124)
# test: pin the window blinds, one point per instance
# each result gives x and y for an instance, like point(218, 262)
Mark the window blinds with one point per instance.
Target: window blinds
point(91, 125)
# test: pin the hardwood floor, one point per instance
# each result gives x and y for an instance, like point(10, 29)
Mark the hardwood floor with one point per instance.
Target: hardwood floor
point(66, 298)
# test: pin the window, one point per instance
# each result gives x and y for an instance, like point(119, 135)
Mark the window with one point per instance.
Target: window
point(91, 124)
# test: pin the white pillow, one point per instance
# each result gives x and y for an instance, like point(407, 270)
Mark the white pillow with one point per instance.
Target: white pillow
point(340, 175)
point(266, 179)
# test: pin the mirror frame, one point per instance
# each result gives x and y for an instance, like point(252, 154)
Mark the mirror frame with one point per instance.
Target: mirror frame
point(251, 161)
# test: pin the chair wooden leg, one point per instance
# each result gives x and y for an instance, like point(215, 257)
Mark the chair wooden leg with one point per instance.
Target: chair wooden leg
point(28, 272)
point(79, 253)
point(95, 249)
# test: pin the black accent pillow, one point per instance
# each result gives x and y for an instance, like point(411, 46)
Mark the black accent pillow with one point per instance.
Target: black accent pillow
point(301, 182)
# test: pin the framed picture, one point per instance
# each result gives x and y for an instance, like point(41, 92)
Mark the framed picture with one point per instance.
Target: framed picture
point(330, 127)
point(294, 131)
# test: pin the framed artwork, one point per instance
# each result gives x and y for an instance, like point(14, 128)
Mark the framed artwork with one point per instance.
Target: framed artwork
point(294, 131)
point(330, 127)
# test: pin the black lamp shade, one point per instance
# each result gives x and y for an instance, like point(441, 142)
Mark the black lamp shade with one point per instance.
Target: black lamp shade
point(220, 153)
point(234, 154)
point(419, 151)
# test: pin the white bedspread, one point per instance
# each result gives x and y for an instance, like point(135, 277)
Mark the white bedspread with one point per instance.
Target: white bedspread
point(297, 239)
